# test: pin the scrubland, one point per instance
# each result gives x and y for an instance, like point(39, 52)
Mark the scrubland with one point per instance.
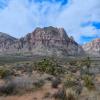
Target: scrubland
point(48, 78)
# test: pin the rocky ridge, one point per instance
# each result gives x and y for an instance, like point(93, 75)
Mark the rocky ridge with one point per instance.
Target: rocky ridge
point(42, 41)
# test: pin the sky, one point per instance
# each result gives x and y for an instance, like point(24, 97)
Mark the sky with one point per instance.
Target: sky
point(80, 18)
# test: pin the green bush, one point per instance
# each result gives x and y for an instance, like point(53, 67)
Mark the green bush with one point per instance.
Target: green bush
point(4, 72)
point(49, 66)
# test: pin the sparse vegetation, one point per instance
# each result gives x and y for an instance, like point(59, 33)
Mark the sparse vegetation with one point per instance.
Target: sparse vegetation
point(69, 83)
point(48, 74)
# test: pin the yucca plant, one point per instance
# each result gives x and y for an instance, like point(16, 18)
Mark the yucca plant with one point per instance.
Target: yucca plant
point(88, 82)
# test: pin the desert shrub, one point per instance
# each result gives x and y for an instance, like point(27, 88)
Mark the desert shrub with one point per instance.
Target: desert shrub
point(73, 69)
point(47, 95)
point(49, 66)
point(69, 81)
point(88, 82)
point(38, 83)
point(7, 89)
point(71, 95)
point(60, 94)
point(23, 83)
point(20, 85)
point(4, 72)
point(86, 62)
point(27, 83)
point(65, 94)
point(73, 63)
point(23, 67)
point(79, 65)
point(56, 82)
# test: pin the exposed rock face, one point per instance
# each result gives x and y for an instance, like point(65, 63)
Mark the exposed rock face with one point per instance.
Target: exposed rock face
point(93, 48)
point(46, 41)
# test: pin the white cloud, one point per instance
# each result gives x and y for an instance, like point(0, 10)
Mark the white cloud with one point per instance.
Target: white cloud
point(21, 17)
point(78, 12)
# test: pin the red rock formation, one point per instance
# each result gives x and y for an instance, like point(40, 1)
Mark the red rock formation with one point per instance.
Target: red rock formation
point(93, 48)
point(46, 41)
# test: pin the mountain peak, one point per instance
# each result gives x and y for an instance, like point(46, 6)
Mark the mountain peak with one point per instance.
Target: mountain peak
point(45, 41)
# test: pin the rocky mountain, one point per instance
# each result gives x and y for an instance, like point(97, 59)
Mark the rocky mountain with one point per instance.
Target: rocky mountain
point(6, 41)
point(43, 41)
point(92, 48)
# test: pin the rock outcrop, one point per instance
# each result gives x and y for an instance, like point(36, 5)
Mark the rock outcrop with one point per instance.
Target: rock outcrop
point(49, 41)
point(92, 48)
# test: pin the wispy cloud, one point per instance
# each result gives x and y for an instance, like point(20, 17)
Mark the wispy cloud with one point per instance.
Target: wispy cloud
point(19, 17)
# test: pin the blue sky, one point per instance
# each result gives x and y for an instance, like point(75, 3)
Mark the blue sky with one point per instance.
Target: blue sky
point(80, 18)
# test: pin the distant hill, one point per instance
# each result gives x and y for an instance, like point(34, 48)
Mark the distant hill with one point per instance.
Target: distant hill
point(5, 42)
